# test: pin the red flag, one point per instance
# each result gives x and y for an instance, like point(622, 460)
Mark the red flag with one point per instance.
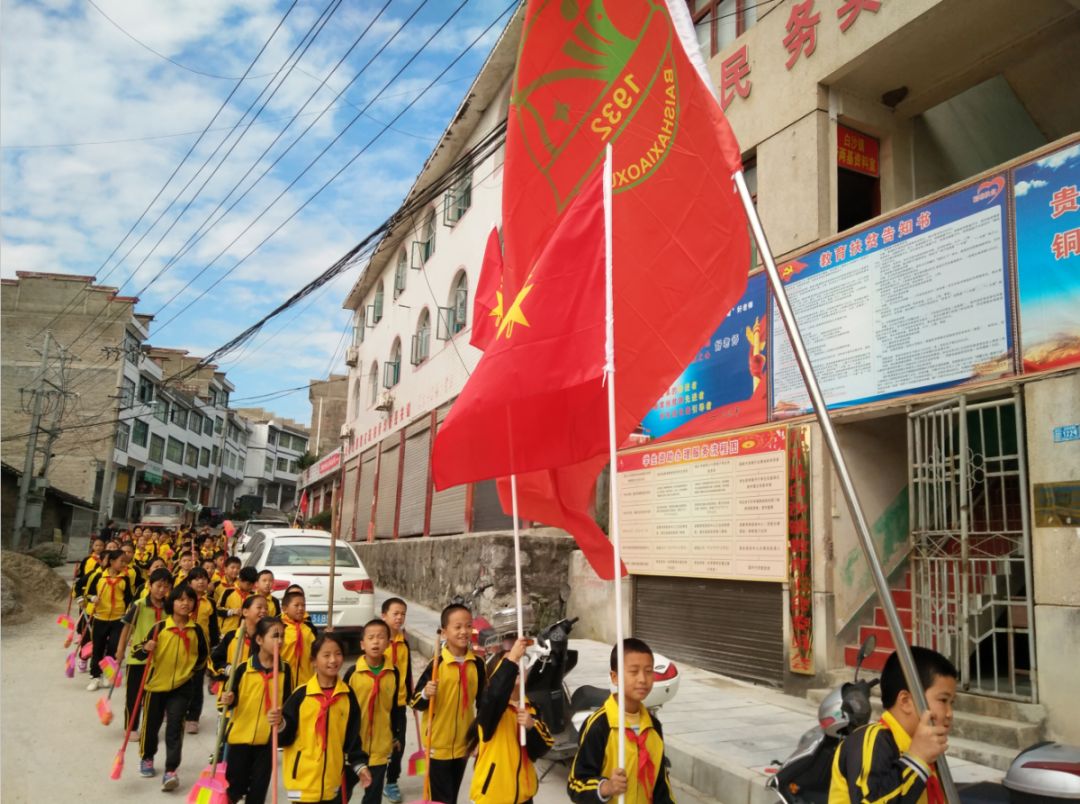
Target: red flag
point(302, 505)
point(590, 74)
point(488, 305)
point(536, 399)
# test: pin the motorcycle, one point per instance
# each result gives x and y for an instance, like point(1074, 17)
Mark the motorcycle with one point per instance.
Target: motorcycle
point(1045, 773)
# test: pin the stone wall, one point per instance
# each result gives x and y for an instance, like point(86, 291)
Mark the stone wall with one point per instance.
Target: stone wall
point(431, 571)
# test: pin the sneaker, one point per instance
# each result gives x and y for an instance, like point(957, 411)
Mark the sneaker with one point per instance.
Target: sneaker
point(392, 793)
point(191, 727)
point(95, 684)
point(170, 781)
point(146, 768)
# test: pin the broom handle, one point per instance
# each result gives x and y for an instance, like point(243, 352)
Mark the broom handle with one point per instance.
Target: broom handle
point(222, 719)
point(138, 700)
point(116, 681)
point(274, 731)
point(431, 713)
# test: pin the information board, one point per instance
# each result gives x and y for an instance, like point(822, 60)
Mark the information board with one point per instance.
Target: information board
point(912, 304)
point(709, 508)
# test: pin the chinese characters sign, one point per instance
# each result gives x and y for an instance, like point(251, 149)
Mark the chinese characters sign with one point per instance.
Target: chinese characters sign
point(1048, 258)
point(857, 151)
point(714, 508)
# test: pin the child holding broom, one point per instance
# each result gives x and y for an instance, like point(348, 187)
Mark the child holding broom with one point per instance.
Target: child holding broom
point(399, 655)
point(321, 731)
point(252, 610)
point(179, 650)
point(375, 681)
point(300, 635)
point(249, 698)
point(110, 592)
point(139, 620)
point(205, 616)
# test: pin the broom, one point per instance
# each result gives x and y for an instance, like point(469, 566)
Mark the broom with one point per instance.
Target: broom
point(69, 664)
point(118, 763)
point(274, 731)
point(431, 723)
point(418, 759)
point(211, 786)
point(104, 705)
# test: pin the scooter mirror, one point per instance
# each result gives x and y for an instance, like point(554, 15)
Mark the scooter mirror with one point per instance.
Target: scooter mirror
point(867, 647)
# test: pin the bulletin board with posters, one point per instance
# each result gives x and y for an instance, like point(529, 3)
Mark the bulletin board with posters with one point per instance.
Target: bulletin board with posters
point(1046, 195)
point(915, 303)
point(708, 508)
point(725, 387)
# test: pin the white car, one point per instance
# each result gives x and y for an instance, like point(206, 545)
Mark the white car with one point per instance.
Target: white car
point(302, 556)
point(250, 528)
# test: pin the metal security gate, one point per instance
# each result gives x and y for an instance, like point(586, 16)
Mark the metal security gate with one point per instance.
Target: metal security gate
point(971, 539)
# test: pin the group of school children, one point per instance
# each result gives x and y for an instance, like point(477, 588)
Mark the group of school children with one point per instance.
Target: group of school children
point(178, 610)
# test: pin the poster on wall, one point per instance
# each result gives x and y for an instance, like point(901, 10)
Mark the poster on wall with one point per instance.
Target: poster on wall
point(725, 386)
point(1048, 259)
point(915, 303)
point(709, 508)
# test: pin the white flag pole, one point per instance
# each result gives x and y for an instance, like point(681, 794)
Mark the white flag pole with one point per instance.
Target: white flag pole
point(862, 528)
point(613, 501)
point(517, 592)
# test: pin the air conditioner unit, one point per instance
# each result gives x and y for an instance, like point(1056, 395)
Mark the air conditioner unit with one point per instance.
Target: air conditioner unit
point(352, 356)
point(386, 402)
point(346, 431)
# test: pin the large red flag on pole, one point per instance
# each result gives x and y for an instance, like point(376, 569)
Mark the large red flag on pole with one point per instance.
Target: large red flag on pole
point(488, 305)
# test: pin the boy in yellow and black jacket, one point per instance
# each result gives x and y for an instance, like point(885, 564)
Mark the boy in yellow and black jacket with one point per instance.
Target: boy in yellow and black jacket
point(394, 610)
point(894, 759)
point(110, 591)
point(178, 654)
point(504, 773)
point(139, 620)
point(448, 702)
point(300, 635)
point(374, 682)
point(595, 771)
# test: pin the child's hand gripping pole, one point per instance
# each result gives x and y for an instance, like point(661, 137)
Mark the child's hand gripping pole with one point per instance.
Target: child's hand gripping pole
point(104, 704)
point(118, 763)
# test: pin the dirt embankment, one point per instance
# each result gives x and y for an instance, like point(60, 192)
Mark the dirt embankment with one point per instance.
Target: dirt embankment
point(27, 586)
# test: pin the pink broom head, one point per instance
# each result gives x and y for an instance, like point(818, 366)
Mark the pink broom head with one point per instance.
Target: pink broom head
point(65, 621)
point(86, 650)
point(109, 667)
point(117, 766)
point(69, 666)
point(104, 711)
point(210, 788)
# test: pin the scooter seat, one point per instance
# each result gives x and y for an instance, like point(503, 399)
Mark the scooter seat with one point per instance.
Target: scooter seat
point(588, 697)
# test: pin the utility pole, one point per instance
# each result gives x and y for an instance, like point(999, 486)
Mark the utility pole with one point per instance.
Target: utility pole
point(31, 442)
point(109, 475)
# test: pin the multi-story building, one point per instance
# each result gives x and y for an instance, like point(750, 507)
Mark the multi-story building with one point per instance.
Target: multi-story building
point(126, 429)
point(915, 165)
point(329, 407)
point(275, 447)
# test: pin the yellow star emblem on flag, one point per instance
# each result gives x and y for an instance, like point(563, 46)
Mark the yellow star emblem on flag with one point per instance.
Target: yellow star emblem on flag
point(514, 315)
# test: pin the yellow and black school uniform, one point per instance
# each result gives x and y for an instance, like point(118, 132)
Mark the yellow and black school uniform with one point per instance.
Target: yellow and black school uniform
point(205, 616)
point(461, 682)
point(872, 764)
point(376, 691)
point(598, 756)
point(86, 569)
point(321, 737)
point(248, 770)
point(222, 655)
point(141, 618)
point(504, 773)
point(114, 594)
point(296, 648)
point(143, 557)
point(179, 656)
point(273, 606)
point(399, 655)
point(234, 599)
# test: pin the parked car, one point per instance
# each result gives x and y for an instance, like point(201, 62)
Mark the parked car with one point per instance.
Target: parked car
point(246, 530)
point(302, 556)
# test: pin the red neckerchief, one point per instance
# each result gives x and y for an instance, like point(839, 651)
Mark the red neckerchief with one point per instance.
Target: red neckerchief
point(646, 771)
point(934, 793)
point(326, 700)
point(463, 675)
point(267, 677)
point(376, 679)
point(393, 653)
point(182, 633)
point(299, 646)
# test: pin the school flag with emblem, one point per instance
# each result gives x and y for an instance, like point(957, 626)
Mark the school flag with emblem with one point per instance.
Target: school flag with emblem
point(626, 73)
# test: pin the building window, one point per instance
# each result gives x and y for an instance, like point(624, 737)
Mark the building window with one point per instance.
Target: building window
point(123, 433)
point(218, 424)
point(175, 451)
point(373, 383)
point(208, 426)
point(719, 22)
point(204, 457)
point(377, 305)
point(195, 422)
point(132, 349)
point(293, 466)
point(299, 444)
point(425, 246)
point(192, 457)
point(146, 390)
point(283, 464)
point(157, 449)
point(358, 328)
point(161, 410)
point(212, 396)
point(271, 437)
point(140, 432)
point(127, 393)
point(179, 416)
point(421, 341)
point(401, 271)
point(215, 453)
point(459, 304)
point(392, 367)
point(268, 464)
point(358, 395)
point(458, 199)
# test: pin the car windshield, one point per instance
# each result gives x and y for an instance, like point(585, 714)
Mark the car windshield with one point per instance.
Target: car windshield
point(308, 555)
point(163, 509)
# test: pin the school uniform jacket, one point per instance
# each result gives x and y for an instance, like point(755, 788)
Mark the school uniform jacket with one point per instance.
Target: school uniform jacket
point(86, 569)
point(234, 599)
point(205, 615)
point(114, 594)
point(225, 651)
point(180, 651)
point(504, 774)
point(598, 756)
point(872, 764)
point(460, 684)
point(252, 701)
point(377, 696)
point(296, 649)
point(399, 655)
point(143, 617)
point(321, 736)
point(273, 606)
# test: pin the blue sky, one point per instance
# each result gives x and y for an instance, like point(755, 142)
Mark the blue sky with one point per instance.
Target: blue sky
point(92, 123)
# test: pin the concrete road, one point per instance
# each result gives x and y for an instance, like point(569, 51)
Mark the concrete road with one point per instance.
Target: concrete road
point(55, 749)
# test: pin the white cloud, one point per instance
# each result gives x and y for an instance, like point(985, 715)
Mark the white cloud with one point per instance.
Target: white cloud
point(1056, 160)
point(1022, 187)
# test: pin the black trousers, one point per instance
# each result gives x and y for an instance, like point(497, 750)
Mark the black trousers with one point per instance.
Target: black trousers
point(446, 778)
point(134, 678)
point(168, 707)
point(399, 724)
point(248, 772)
point(194, 711)
point(106, 637)
point(373, 792)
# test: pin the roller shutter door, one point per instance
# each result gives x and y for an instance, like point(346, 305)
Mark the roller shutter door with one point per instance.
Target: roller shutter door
point(487, 511)
point(386, 505)
point(367, 491)
point(730, 627)
point(347, 496)
point(448, 505)
point(415, 482)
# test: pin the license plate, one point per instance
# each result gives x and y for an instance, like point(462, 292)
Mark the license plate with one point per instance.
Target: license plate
point(318, 618)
